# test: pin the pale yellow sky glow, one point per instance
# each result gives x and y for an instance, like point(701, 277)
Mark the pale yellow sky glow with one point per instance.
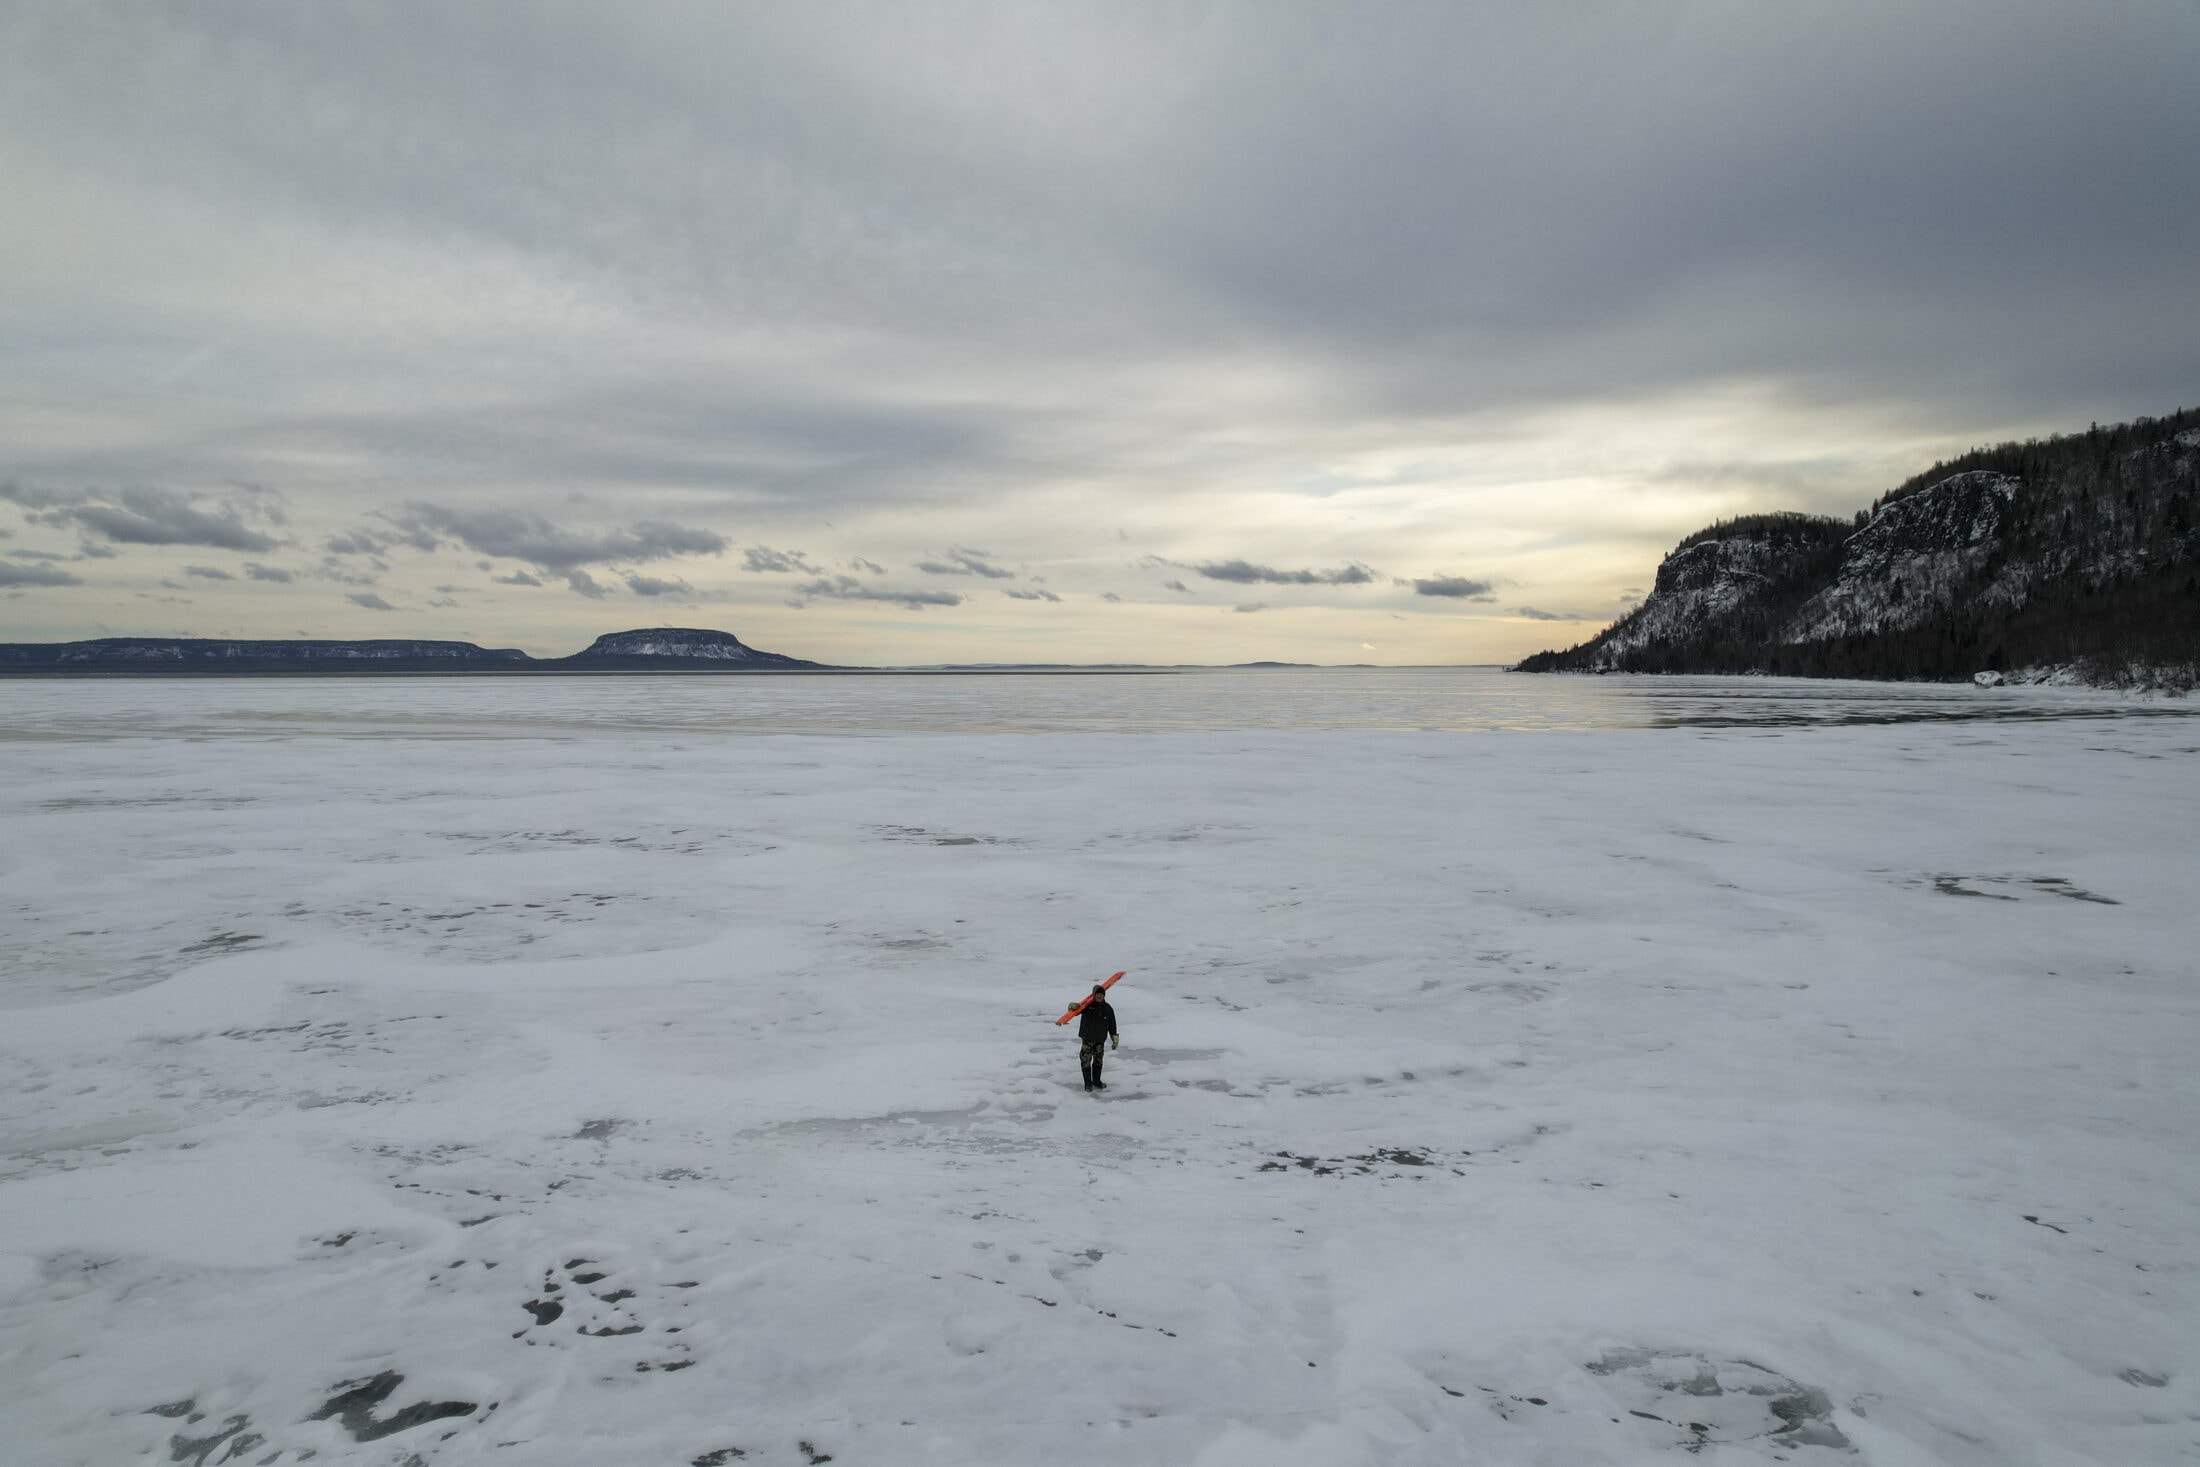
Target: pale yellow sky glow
point(1564, 513)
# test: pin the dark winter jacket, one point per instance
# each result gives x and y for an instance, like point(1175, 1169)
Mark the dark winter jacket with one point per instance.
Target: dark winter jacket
point(1097, 1022)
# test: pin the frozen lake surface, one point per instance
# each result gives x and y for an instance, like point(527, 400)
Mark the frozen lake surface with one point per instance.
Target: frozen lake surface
point(1516, 1070)
point(1424, 700)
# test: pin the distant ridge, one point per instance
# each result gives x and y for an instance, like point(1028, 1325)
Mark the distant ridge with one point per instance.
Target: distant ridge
point(653, 649)
point(2075, 558)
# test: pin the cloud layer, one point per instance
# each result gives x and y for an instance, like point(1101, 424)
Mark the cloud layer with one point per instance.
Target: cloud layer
point(517, 534)
point(1245, 574)
point(848, 588)
point(965, 563)
point(1454, 587)
point(15, 573)
point(151, 516)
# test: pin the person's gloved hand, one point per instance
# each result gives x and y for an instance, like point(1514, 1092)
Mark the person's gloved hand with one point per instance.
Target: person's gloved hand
point(1115, 1041)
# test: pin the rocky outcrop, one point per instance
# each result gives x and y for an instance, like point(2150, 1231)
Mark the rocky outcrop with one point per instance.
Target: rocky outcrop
point(1911, 561)
point(660, 649)
point(1735, 583)
point(2079, 553)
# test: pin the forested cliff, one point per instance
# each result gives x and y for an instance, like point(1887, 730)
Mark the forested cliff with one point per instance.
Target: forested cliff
point(2078, 555)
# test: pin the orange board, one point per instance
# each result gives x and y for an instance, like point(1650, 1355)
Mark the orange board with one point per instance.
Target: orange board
point(1084, 1003)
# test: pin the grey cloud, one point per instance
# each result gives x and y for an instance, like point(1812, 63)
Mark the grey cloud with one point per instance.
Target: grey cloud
point(1275, 190)
point(152, 516)
point(1459, 587)
point(1778, 198)
point(764, 558)
point(652, 586)
point(516, 578)
point(523, 535)
point(859, 563)
point(1533, 614)
point(274, 573)
point(581, 583)
point(848, 588)
point(1245, 573)
point(208, 573)
point(37, 575)
point(376, 542)
point(959, 562)
point(1176, 586)
point(369, 600)
point(1250, 606)
point(1019, 594)
point(1109, 596)
point(35, 555)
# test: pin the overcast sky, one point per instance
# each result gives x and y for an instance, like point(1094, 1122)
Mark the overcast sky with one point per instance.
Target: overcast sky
point(919, 333)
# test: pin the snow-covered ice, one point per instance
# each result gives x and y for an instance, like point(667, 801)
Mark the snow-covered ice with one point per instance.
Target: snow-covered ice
point(549, 1092)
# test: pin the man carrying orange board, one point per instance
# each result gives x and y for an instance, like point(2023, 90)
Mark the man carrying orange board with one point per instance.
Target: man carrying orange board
point(1096, 1030)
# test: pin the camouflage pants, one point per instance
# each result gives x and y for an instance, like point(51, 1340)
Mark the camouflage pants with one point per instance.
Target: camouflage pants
point(1089, 1057)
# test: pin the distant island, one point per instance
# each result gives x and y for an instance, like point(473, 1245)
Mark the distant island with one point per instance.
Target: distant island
point(651, 649)
point(2070, 559)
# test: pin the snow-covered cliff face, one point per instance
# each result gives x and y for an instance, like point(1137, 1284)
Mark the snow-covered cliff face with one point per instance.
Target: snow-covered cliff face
point(691, 643)
point(1911, 561)
point(1711, 589)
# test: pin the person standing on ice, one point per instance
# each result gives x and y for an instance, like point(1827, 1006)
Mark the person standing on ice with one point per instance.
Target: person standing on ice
point(1095, 1032)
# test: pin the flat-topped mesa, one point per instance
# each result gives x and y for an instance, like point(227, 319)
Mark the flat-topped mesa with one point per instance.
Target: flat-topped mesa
point(224, 654)
point(671, 642)
point(658, 647)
